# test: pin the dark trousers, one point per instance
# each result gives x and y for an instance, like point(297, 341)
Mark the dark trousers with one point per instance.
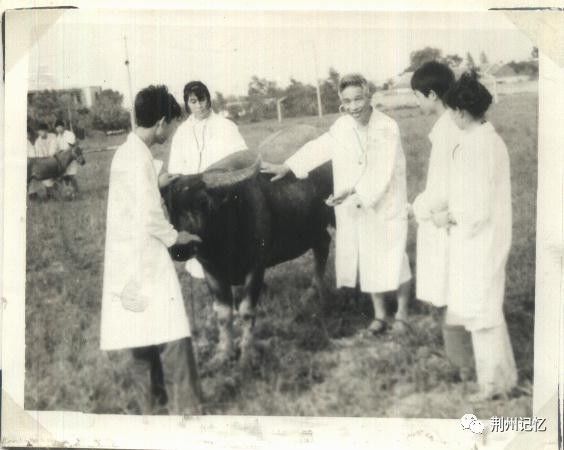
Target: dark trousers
point(165, 378)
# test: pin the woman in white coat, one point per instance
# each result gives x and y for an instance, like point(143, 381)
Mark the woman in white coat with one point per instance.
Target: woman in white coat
point(430, 82)
point(200, 141)
point(370, 197)
point(479, 205)
point(142, 305)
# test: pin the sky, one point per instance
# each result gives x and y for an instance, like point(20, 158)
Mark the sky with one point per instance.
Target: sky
point(87, 48)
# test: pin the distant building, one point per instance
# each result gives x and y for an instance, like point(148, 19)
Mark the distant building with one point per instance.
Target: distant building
point(81, 97)
point(507, 74)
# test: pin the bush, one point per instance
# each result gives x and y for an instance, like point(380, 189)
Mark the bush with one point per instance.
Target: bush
point(108, 112)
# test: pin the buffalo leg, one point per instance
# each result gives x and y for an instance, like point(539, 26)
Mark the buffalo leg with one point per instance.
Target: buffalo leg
point(247, 313)
point(320, 255)
point(223, 307)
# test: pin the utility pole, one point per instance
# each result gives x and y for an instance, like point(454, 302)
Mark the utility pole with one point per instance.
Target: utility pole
point(319, 108)
point(70, 116)
point(132, 111)
point(279, 108)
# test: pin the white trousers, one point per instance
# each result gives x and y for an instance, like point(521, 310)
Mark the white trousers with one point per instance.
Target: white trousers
point(495, 364)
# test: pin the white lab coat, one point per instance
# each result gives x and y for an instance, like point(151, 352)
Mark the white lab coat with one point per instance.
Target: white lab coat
point(196, 145)
point(432, 250)
point(64, 142)
point(480, 203)
point(371, 224)
point(46, 147)
point(136, 259)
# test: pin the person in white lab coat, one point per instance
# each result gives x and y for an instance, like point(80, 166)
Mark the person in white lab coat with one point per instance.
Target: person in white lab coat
point(200, 141)
point(479, 210)
point(370, 197)
point(66, 140)
point(45, 145)
point(142, 305)
point(430, 82)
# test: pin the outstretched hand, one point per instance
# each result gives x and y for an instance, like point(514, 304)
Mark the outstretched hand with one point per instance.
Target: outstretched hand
point(278, 170)
point(337, 199)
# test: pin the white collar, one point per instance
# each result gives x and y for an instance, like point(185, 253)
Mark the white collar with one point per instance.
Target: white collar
point(136, 141)
point(195, 121)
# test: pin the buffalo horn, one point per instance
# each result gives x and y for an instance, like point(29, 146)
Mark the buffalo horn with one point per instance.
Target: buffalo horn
point(215, 179)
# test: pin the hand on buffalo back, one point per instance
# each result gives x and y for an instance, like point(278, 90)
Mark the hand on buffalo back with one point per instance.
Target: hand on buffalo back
point(185, 247)
point(278, 170)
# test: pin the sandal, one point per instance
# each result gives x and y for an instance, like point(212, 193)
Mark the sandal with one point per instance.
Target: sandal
point(378, 326)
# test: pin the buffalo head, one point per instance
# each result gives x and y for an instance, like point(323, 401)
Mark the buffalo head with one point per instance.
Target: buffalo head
point(78, 155)
point(192, 199)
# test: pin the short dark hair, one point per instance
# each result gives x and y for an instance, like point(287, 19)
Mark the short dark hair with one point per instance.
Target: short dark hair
point(42, 126)
point(468, 94)
point(59, 123)
point(432, 76)
point(154, 103)
point(198, 89)
point(353, 79)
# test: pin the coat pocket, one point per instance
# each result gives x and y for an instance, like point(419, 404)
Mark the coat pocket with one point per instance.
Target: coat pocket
point(132, 297)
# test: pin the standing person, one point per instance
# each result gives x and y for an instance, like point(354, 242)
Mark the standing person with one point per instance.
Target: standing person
point(479, 205)
point(370, 198)
point(45, 145)
point(430, 83)
point(66, 140)
point(142, 305)
point(200, 141)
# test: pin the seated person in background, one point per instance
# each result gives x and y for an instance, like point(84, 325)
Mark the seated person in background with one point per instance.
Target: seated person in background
point(45, 145)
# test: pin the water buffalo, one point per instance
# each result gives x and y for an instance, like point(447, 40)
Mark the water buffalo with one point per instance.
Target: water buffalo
point(53, 166)
point(247, 224)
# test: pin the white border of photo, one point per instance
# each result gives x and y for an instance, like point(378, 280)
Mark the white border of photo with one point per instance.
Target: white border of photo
point(67, 428)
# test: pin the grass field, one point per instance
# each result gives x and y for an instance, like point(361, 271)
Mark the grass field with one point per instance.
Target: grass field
point(315, 366)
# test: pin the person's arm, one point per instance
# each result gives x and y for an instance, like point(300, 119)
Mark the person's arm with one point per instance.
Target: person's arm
point(380, 164)
point(70, 138)
point(475, 208)
point(148, 210)
point(310, 156)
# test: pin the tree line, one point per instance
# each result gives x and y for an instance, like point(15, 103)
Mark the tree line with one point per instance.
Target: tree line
point(260, 103)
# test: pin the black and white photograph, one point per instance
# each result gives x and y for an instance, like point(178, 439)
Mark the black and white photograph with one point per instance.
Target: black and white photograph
point(278, 213)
